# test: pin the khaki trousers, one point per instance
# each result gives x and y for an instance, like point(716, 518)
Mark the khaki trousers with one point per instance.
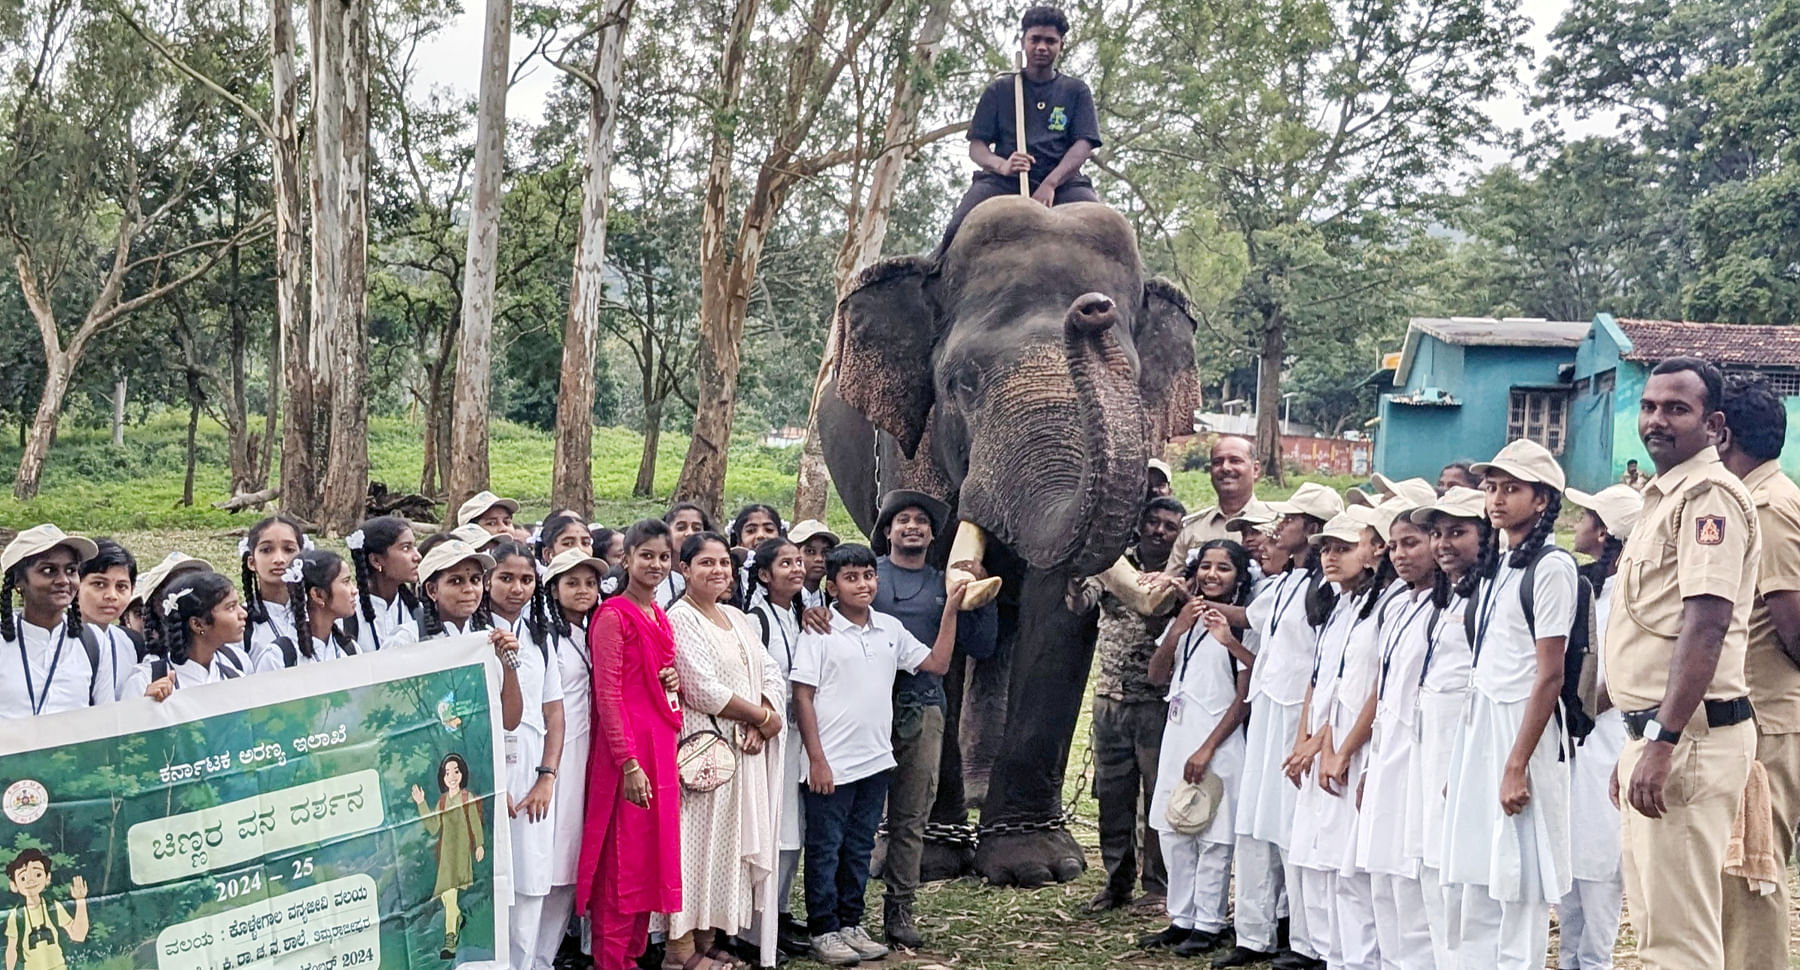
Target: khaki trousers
point(1756, 927)
point(1674, 865)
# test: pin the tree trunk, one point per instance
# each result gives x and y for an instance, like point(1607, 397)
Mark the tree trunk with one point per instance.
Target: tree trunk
point(242, 444)
point(645, 486)
point(722, 284)
point(290, 242)
point(868, 230)
point(193, 429)
point(345, 351)
point(572, 484)
point(118, 419)
point(474, 355)
point(1268, 398)
point(58, 368)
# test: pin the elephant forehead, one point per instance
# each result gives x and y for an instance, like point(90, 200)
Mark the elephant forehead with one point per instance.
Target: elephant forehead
point(1043, 256)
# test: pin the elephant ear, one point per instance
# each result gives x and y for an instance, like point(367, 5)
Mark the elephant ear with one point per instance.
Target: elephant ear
point(1165, 347)
point(887, 327)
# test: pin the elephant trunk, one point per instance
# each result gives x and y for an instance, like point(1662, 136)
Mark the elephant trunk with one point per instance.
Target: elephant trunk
point(1058, 471)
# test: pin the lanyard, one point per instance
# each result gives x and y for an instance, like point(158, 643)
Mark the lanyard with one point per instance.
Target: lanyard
point(1387, 656)
point(1486, 614)
point(1282, 603)
point(1190, 643)
point(37, 702)
point(1348, 605)
point(1431, 642)
point(787, 645)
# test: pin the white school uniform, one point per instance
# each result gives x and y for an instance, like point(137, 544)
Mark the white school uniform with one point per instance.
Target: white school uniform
point(44, 670)
point(1443, 691)
point(266, 655)
point(226, 664)
point(533, 842)
point(569, 804)
point(1201, 692)
point(263, 633)
point(1354, 901)
point(118, 656)
point(782, 643)
point(1589, 914)
point(1501, 872)
point(394, 625)
point(1400, 927)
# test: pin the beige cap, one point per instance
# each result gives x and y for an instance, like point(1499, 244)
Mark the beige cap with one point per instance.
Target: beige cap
point(1313, 499)
point(570, 558)
point(1617, 506)
point(1460, 502)
point(806, 530)
point(172, 565)
point(1346, 526)
point(451, 553)
point(1252, 519)
point(1192, 806)
point(1381, 517)
point(1415, 491)
point(1418, 491)
point(476, 536)
point(1527, 461)
point(1158, 465)
point(480, 503)
point(41, 539)
point(1356, 496)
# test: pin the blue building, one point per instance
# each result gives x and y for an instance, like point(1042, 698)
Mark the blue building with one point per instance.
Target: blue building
point(1464, 386)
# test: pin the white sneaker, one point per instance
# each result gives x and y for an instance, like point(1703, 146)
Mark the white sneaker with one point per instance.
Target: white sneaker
point(832, 949)
point(860, 941)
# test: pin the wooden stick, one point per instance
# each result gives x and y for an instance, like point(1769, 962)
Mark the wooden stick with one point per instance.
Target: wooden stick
point(1019, 117)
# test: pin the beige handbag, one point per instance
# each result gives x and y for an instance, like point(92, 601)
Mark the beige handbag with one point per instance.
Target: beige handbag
point(706, 759)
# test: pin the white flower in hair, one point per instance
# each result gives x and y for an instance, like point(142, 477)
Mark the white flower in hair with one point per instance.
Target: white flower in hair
point(609, 585)
point(354, 541)
point(543, 571)
point(293, 576)
point(244, 546)
point(173, 599)
point(306, 543)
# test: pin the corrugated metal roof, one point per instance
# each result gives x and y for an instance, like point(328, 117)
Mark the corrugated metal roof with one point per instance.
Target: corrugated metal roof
point(1487, 332)
point(1726, 344)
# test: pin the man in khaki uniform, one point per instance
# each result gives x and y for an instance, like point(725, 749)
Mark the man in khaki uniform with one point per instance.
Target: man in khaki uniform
point(1234, 470)
point(1675, 648)
point(1756, 926)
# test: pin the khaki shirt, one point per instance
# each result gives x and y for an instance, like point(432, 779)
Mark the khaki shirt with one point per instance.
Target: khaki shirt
point(1204, 526)
point(1698, 536)
point(1774, 679)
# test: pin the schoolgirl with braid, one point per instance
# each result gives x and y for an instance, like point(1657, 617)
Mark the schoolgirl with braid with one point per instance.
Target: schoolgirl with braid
point(777, 587)
point(264, 554)
point(385, 558)
point(1506, 807)
point(1588, 917)
point(321, 594)
point(49, 660)
point(453, 579)
point(192, 637)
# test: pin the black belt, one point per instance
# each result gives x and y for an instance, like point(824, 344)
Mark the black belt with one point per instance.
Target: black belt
point(1718, 714)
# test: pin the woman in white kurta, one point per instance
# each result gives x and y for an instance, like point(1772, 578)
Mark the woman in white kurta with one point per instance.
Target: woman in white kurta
point(1588, 917)
point(728, 835)
point(1206, 666)
point(1458, 525)
point(1324, 811)
point(1399, 902)
point(778, 578)
point(1506, 809)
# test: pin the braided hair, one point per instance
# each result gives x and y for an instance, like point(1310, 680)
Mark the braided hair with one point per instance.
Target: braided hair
point(554, 526)
point(189, 596)
point(1465, 587)
point(1321, 599)
point(1383, 575)
point(431, 622)
point(535, 620)
point(378, 536)
point(552, 608)
point(764, 557)
point(9, 627)
point(318, 569)
point(255, 610)
point(1488, 565)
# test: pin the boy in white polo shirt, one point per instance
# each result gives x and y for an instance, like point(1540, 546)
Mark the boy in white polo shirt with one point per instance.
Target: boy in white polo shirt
point(843, 702)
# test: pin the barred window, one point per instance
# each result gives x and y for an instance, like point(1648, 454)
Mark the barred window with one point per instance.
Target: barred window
point(1541, 416)
point(1783, 383)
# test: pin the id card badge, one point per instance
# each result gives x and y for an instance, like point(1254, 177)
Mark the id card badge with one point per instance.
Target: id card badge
point(512, 750)
point(1175, 711)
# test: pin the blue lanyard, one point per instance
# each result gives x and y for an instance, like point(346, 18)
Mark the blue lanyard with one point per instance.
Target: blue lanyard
point(61, 634)
point(1387, 656)
point(1281, 603)
point(1486, 614)
point(1431, 643)
point(1347, 604)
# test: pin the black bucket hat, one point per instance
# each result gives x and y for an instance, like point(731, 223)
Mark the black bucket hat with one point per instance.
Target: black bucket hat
point(904, 498)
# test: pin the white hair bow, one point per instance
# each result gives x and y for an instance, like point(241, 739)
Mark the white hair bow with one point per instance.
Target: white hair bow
point(354, 541)
point(293, 575)
point(174, 599)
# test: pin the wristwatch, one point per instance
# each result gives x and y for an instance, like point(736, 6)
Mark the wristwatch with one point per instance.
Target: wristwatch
point(1654, 732)
point(546, 771)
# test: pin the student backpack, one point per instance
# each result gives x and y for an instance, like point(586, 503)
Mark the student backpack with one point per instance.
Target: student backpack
point(290, 651)
point(1580, 693)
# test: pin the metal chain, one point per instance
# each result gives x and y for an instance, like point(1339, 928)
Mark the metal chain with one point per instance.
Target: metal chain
point(1020, 828)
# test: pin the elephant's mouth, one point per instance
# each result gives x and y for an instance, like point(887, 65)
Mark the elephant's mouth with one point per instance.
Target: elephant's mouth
point(1057, 467)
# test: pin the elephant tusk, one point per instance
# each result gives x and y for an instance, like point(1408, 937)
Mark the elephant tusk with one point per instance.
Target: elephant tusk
point(970, 545)
point(1121, 580)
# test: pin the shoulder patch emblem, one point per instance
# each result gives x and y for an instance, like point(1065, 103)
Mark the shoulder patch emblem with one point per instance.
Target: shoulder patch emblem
point(1709, 530)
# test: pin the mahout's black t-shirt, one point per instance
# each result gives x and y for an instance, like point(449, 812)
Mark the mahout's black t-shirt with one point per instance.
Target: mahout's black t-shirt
point(1057, 113)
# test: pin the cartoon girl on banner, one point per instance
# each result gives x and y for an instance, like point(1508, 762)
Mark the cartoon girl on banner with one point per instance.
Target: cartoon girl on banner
point(456, 824)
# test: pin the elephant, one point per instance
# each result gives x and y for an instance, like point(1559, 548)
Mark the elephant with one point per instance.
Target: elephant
point(1025, 375)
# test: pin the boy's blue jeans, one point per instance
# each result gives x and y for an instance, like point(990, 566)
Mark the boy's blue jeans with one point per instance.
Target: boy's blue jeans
point(840, 838)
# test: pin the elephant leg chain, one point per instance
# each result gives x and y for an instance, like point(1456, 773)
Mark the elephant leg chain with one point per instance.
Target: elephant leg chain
point(1021, 828)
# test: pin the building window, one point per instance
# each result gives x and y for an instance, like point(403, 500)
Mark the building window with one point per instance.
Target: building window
point(1541, 416)
point(1580, 387)
point(1783, 383)
point(1605, 381)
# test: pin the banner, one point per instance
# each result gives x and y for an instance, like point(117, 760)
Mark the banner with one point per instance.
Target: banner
point(336, 816)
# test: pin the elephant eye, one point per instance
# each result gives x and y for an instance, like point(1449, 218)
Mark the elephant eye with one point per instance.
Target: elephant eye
point(966, 384)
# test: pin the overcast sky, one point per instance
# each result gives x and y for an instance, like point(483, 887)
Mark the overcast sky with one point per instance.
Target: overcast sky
point(451, 58)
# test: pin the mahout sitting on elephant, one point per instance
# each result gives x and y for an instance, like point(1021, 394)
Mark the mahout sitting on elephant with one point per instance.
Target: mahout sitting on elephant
point(1025, 377)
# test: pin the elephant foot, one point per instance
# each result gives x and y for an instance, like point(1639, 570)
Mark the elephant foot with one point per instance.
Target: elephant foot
point(945, 860)
point(1029, 859)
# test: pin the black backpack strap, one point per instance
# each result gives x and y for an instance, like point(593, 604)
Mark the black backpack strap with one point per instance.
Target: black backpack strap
point(290, 654)
point(762, 617)
point(91, 644)
point(1528, 584)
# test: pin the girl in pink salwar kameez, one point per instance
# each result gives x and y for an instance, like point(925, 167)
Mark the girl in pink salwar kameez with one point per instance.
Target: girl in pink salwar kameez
point(631, 843)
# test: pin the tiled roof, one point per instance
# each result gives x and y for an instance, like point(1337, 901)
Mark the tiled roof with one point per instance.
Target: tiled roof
point(1726, 344)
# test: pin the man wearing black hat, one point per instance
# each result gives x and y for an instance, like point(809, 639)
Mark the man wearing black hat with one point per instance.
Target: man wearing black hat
point(912, 591)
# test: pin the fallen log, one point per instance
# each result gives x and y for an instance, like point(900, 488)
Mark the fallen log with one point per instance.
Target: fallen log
point(248, 500)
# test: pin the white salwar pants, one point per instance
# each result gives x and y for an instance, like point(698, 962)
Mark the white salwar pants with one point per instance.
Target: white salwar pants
point(1199, 881)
